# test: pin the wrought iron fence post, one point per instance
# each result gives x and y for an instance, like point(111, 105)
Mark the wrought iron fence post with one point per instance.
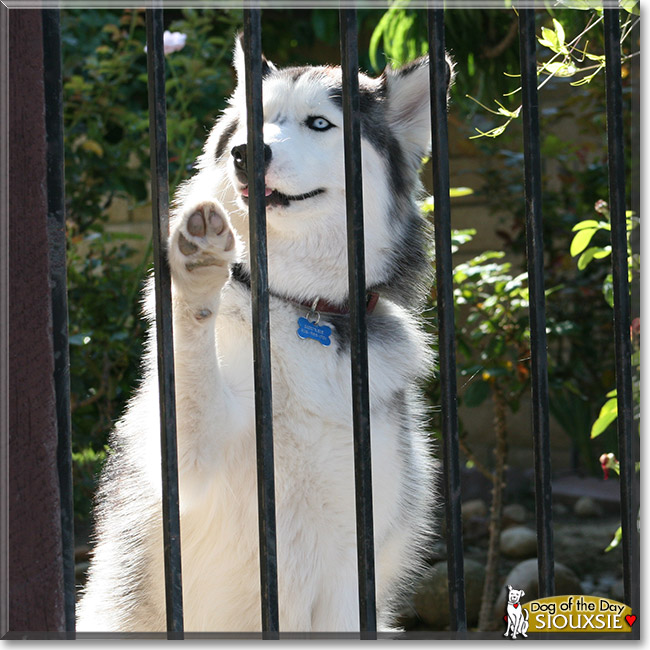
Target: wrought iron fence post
point(446, 330)
point(535, 259)
point(261, 325)
point(164, 332)
point(53, 87)
point(621, 290)
point(358, 333)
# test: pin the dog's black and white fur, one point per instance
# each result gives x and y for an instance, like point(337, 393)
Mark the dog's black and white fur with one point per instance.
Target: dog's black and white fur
point(307, 260)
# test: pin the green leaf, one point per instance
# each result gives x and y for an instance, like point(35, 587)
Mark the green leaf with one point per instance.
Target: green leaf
point(483, 257)
point(465, 349)
point(581, 240)
point(608, 290)
point(559, 31)
point(588, 223)
point(455, 192)
point(587, 79)
point(399, 39)
point(595, 57)
point(581, 5)
point(376, 37)
point(471, 67)
point(495, 349)
point(559, 69)
point(460, 237)
point(618, 536)
point(476, 393)
point(549, 38)
point(470, 371)
point(504, 111)
point(516, 282)
point(463, 233)
point(564, 328)
point(459, 276)
point(608, 413)
point(83, 338)
point(595, 252)
point(631, 6)
point(492, 133)
point(94, 147)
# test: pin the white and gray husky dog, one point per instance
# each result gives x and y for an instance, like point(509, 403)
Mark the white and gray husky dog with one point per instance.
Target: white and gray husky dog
point(312, 401)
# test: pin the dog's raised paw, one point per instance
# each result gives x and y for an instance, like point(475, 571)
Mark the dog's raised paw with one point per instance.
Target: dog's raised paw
point(205, 238)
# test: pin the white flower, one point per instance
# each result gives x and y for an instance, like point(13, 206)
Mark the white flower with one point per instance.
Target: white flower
point(172, 41)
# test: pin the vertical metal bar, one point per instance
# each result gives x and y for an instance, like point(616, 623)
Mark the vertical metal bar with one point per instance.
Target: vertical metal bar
point(625, 420)
point(535, 255)
point(261, 326)
point(358, 333)
point(5, 420)
point(446, 331)
point(164, 332)
point(53, 88)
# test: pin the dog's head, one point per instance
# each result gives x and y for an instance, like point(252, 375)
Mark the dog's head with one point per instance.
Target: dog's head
point(514, 595)
point(304, 154)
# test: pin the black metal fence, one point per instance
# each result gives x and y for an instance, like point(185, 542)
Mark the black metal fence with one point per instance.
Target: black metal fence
point(359, 369)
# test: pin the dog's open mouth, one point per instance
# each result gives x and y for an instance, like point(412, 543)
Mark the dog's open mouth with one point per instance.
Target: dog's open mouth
point(273, 197)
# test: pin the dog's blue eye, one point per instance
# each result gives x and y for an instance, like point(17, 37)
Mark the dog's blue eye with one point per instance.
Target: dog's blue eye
point(318, 123)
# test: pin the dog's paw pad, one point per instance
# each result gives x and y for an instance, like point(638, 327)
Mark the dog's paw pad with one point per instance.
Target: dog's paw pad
point(205, 238)
point(196, 225)
point(186, 247)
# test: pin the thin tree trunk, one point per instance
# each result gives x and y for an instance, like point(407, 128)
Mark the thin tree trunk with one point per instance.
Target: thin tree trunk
point(487, 620)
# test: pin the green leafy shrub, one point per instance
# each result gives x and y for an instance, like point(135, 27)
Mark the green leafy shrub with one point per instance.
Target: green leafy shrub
point(401, 36)
point(493, 340)
point(582, 247)
point(107, 157)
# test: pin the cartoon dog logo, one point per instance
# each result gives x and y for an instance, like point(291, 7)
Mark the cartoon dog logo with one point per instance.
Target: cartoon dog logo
point(517, 617)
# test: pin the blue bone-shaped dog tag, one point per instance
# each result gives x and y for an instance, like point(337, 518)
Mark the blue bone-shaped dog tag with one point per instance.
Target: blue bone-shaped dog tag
point(308, 330)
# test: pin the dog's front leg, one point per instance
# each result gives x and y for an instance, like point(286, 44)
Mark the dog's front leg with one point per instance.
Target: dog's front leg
point(201, 248)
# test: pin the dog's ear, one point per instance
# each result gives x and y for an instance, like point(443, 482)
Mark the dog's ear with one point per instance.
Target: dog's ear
point(509, 587)
point(522, 592)
point(409, 100)
point(239, 62)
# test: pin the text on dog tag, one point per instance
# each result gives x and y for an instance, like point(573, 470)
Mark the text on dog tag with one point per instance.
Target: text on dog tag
point(308, 330)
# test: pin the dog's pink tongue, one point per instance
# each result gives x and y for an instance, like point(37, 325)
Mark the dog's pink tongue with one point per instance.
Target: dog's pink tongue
point(267, 191)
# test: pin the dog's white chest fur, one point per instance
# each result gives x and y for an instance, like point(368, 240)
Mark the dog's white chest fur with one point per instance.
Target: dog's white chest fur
point(312, 392)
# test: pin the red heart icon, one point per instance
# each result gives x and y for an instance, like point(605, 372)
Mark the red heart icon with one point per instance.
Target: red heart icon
point(516, 605)
point(630, 619)
point(505, 618)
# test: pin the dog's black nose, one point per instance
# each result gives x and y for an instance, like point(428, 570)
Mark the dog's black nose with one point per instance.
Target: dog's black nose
point(240, 157)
